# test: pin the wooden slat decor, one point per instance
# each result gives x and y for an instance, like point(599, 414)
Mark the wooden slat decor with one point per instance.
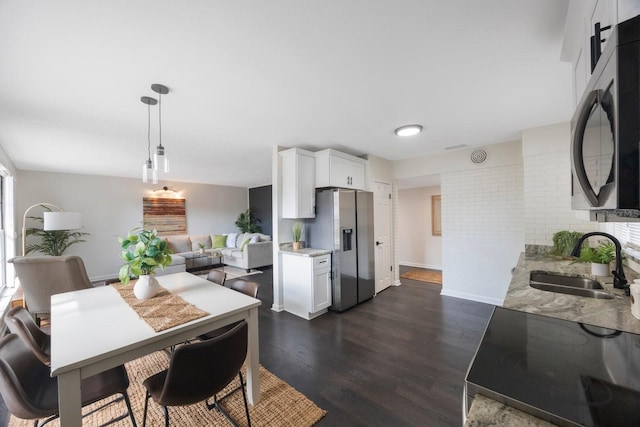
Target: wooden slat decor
point(168, 216)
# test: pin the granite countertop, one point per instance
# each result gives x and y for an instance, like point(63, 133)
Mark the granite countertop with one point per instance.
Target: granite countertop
point(609, 313)
point(488, 412)
point(308, 252)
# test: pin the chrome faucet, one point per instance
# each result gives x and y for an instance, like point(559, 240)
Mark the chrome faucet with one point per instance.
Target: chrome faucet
point(619, 281)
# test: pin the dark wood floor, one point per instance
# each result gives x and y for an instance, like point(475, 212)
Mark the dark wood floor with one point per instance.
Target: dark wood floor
point(396, 360)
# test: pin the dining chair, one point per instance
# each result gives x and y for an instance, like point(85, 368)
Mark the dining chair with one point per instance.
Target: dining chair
point(43, 276)
point(198, 371)
point(238, 285)
point(20, 322)
point(217, 276)
point(29, 392)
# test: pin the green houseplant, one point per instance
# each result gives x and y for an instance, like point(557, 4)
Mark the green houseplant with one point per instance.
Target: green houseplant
point(564, 241)
point(296, 232)
point(52, 242)
point(143, 252)
point(247, 223)
point(600, 257)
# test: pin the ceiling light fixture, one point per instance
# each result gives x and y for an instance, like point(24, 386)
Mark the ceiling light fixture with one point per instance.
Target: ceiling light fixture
point(408, 130)
point(160, 156)
point(147, 166)
point(166, 189)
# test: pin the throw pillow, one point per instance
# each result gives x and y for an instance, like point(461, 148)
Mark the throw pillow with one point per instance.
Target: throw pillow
point(219, 241)
point(231, 240)
point(245, 243)
point(255, 239)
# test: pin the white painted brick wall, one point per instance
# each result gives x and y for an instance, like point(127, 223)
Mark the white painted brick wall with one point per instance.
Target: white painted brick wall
point(482, 231)
point(547, 185)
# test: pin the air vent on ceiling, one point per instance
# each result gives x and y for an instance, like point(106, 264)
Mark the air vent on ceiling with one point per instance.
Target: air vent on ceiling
point(478, 156)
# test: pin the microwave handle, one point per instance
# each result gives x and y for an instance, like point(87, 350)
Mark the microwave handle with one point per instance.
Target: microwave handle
point(576, 147)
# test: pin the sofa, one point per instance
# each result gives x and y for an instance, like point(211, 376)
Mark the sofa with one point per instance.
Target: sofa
point(244, 250)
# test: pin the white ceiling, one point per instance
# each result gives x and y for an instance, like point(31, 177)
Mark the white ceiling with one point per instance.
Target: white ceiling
point(247, 75)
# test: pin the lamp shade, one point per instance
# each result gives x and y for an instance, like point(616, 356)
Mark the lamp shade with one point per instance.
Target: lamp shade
point(62, 221)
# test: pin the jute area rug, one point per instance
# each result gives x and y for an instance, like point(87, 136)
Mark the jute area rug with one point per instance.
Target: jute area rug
point(232, 272)
point(422, 275)
point(280, 404)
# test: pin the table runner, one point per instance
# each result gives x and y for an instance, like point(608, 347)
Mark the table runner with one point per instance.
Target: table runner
point(161, 312)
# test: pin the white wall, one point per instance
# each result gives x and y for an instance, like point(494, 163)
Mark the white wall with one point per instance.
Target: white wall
point(547, 185)
point(483, 232)
point(482, 218)
point(418, 246)
point(111, 206)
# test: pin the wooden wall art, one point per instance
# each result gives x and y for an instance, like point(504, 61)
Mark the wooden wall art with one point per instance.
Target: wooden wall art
point(167, 215)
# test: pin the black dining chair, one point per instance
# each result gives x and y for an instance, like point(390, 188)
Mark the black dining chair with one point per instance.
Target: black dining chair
point(198, 371)
point(30, 393)
point(20, 322)
point(238, 285)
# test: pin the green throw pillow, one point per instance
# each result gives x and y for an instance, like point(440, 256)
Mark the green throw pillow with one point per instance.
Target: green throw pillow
point(219, 241)
point(246, 241)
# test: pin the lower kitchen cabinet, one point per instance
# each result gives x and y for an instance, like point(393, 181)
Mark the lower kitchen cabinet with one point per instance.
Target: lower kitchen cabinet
point(306, 284)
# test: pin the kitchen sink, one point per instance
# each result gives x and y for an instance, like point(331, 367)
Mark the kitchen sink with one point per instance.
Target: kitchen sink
point(567, 284)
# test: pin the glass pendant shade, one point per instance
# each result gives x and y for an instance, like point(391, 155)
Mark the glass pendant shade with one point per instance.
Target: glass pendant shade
point(160, 159)
point(147, 170)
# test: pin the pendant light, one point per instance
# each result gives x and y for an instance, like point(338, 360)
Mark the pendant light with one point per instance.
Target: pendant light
point(160, 158)
point(147, 166)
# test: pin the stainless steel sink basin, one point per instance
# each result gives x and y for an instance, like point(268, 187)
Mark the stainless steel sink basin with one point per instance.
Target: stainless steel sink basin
point(567, 284)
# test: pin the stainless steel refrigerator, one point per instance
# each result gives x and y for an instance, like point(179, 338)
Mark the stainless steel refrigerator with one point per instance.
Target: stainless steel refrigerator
point(344, 224)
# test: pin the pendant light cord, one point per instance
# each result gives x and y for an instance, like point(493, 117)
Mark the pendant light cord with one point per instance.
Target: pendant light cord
point(160, 118)
point(149, 131)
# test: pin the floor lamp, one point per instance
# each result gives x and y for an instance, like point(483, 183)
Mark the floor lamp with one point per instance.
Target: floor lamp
point(54, 220)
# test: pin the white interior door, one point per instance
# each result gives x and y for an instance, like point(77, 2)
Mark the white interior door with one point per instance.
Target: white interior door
point(382, 231)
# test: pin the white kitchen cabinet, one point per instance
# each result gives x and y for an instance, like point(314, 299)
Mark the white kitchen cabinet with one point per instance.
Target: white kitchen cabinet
point(336, 169)
point(298, 183)
point(306, 284)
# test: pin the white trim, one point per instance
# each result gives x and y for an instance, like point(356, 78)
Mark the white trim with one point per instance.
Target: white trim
point(418, 265)
point(397, 283)
point(472, 297)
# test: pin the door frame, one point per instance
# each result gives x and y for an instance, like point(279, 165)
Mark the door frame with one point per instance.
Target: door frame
point(391, 244)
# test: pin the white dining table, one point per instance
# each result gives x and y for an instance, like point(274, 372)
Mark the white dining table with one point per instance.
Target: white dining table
point(93, 330)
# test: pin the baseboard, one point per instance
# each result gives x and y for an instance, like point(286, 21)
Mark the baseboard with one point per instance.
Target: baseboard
point(278, 308)
point(472, 297)
point(418, 265)
point(396, 283)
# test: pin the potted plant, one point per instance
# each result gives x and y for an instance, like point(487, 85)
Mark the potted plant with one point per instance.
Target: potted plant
point(143, 252)
point(296, 232)
point(600, 257)
point(201, 245)
point(247, 223)
point(563, 243)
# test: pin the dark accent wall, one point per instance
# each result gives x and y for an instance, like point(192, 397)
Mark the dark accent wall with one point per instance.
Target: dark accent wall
point(260, 205)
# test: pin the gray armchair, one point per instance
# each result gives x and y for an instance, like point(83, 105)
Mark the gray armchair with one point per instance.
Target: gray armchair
point(43, 276)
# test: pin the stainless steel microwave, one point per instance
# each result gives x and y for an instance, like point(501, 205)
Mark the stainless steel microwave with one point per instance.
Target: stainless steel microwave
point(605, 131)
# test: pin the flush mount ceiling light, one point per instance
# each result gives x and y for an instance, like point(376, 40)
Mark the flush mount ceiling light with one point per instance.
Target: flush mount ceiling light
point(408, 130)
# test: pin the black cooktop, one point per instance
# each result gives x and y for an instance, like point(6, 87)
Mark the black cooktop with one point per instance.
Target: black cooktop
point(565, 372)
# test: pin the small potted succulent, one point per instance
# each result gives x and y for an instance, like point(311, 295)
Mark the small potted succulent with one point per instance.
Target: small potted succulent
point(201, 245)
point(296, 233)
point(143, 252)
point(600, 257)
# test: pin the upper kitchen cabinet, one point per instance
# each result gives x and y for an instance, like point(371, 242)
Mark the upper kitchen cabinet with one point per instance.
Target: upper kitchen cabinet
point(336, 169)
point(298, 183)
point(584, 19)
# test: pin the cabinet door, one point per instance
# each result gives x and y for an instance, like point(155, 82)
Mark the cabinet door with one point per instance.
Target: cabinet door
point(298, 185)
point(321, 289)
point(347, 173)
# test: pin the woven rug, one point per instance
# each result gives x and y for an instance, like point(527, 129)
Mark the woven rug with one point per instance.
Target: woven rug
point(232, 272)
point(422, 275)
point(280, 404)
